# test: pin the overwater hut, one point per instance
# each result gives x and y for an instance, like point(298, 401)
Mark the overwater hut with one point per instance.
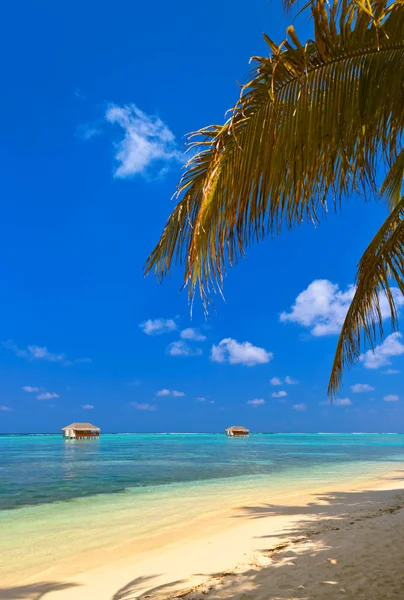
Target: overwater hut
point(237, 431)
point(80, 431)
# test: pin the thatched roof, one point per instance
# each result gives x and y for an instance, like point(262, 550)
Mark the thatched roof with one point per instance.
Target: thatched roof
point(82, 427)
point(238, 428)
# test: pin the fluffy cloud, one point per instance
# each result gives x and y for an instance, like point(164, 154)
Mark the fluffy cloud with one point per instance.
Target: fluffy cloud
point(391, 372)
point(380, 356)
point(288, 380)
point(146, 143)
point(87, 407)
point(301, 407)
point(256, 402)
point(359, 388)
point(342, 402)
point(143, 406)
point(30, 389)
point(41, 353)
point(158, 326)
point(192, 334)
point(86, 131)
point(338, 402)
point(181, 348)
point(5, 409)
point(229, 350)
point(391, 398)
point(322, 307)
point(33, 352)
point(280, 394)
point(174, 393)
point(47, 396)
point(203, 399)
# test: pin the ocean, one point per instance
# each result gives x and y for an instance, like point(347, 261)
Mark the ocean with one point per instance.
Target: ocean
point(137, 487)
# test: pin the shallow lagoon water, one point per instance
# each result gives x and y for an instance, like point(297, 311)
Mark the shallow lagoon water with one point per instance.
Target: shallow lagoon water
point(54, 493)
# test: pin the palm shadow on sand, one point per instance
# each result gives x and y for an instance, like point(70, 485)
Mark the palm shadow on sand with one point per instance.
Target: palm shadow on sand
point(283, 570)
point(34, 591)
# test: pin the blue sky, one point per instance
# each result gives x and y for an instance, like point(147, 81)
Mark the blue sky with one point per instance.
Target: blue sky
point(96, 100)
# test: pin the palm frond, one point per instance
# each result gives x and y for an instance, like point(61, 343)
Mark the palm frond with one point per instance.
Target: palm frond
point(315, 122)
point(382, 261)
point(393, 184)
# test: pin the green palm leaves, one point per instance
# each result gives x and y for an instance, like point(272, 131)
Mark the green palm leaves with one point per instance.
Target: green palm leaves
point(316, 122)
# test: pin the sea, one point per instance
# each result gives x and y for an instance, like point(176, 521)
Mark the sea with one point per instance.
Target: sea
point(59, 497)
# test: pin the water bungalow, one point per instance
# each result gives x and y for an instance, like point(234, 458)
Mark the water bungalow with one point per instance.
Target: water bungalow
point(80, 431)
point(237, 431)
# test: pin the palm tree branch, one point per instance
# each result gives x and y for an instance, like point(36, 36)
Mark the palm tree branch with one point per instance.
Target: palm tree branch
point(382, 261)
point(315, 120)
point(393, 183)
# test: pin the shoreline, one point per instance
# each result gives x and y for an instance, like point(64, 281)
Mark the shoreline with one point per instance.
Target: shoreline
point(234, 541)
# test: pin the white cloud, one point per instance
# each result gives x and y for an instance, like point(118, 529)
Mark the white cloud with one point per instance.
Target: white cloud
point(30, 389)
point(290, 381)
point(391, 372)
point(338, 402)
point(86, 131)
point(229, 350)
point(5, 409)
point(174, 393)
point(181, 348)
point(256, 402)
point(322, 307)
point(391, 398)
point(87, 407)
point(147, 142)
point(47, 396)
point(301, 407)
point(380, 356)
point(33, 352)
point(192, 334)
point(342, 402)
point(158, 326)
point(143, 406)
point(275, 381)
point(41, 353)
point(359, 388)
point(280, 394)
point(201, 399)
point(79, 94)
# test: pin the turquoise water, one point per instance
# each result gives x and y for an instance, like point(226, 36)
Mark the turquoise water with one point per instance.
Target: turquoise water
point(40, 469)
point(65, 503)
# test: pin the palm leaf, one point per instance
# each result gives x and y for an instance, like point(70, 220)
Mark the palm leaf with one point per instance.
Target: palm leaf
point(382, 261)
point(314, 123)
point(392, 185)
point(318, 121)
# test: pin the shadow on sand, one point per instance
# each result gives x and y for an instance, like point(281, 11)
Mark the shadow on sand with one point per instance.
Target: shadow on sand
point(35, 591)
point(132, 590)
point(315, 557)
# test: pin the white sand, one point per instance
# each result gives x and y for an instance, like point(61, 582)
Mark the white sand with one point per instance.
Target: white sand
point(328, 544)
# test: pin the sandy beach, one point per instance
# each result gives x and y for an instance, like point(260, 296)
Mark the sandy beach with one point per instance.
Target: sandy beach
point(327, 543)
